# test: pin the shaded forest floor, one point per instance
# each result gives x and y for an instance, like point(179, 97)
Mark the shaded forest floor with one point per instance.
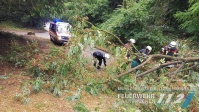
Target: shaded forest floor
point(11, 79)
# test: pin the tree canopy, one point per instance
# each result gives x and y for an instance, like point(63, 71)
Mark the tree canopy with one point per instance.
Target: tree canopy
point(190, 18)
point(143, 20)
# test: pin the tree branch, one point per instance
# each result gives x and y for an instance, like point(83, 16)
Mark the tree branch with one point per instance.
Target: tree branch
point(158, 67)
point(131, 70)
point(189, 59)
point(172, 77)
point(192, 67)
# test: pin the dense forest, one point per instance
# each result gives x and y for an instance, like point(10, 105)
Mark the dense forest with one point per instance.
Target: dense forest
point(108, 25)
point(135, 17)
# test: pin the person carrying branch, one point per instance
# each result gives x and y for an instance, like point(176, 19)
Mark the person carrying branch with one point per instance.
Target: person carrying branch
point(170, 50)
point(98, 55)
point(146, 51)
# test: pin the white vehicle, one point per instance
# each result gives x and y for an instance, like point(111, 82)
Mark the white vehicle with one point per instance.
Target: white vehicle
point(60, 32)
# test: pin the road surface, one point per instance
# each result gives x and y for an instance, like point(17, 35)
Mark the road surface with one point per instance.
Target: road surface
point(38, 33)
point(43, 34)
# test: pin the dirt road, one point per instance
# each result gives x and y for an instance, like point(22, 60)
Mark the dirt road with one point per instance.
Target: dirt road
point(38, 33)
point(44, 38)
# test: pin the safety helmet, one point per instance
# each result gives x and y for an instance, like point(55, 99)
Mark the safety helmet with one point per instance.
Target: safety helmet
point(149, 48)
point(107, 56)
point(132, 41)
point(172, 44)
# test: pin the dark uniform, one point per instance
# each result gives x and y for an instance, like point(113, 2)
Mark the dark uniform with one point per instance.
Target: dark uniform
point(99, 56)
point(169, 51)
point(137, 61)
point(144, 51)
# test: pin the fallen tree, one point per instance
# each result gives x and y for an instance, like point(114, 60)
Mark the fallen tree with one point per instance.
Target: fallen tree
point(176, 60)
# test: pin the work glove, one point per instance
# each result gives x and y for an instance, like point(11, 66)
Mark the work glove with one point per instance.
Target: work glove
point(162, 60)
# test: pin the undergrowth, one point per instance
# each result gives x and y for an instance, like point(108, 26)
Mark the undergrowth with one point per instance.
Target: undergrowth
point(10, 25)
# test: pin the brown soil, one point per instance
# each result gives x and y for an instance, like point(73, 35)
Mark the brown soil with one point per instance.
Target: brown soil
point(11, 79)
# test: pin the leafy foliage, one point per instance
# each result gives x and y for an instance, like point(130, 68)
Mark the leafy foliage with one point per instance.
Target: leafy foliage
point(30, 13)
point(95, 10)
point(94, 88)
point(80, 107)
point(125, 23)
point(37, 84)
point(23, 97)
point(135, 22)
point(189, 18)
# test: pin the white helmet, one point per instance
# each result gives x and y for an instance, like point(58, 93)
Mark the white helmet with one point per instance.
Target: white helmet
point(149, 48)
point(107, 56)
point(132, 41)
point(172, 44)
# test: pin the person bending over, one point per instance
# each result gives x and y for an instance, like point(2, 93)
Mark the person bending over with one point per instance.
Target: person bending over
point(98, 55)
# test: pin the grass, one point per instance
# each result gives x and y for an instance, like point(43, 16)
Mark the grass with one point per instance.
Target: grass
point(10, 25)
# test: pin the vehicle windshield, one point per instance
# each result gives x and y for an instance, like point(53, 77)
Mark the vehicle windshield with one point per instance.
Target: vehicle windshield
point(63, 28)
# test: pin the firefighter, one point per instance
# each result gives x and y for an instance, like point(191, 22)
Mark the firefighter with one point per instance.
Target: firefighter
point(98, 55)
point(128, 46)
point(144, 52)
point(171, 50)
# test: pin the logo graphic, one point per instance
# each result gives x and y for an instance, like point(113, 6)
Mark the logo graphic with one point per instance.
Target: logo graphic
point(179, 99)
point(162, 96)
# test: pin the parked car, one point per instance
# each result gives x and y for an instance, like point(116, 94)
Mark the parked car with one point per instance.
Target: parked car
point(60, 32)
